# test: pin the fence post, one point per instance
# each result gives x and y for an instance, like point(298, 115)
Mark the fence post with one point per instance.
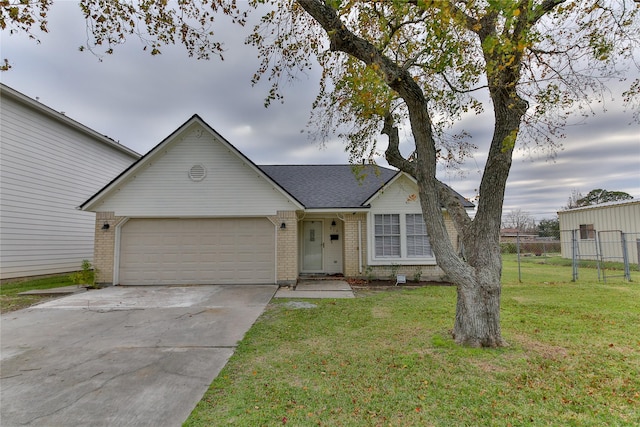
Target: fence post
point(574, 256)
point(625, 256)
point(599, 255)
point(518, 255)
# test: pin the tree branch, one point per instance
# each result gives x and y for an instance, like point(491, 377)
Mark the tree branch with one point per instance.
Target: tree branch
point(392, 152)
point(398, 79)
point(545, 7)
point(454, 206)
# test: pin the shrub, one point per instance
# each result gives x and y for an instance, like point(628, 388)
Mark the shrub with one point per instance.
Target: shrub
point(85, 276)
point(508, 248)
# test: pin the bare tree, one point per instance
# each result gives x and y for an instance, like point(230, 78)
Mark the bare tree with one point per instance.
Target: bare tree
point(572, 201)
point(519, 220)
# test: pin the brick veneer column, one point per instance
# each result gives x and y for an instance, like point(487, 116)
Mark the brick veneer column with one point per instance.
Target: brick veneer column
point(105, 246)
point(287, 256)
point(352, 241)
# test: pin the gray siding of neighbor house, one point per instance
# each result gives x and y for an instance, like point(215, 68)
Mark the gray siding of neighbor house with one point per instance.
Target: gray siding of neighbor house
point(49, 165)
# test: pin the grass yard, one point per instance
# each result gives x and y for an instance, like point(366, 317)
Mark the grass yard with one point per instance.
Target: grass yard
point(11, 301)
point(387, 359)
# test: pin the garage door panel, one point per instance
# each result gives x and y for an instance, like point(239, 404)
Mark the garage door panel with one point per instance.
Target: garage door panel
point(197, 251)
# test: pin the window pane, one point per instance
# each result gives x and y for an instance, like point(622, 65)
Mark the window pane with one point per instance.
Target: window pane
point(587, 231)
point(387, 235)
point(418, 245)
point(387, 246)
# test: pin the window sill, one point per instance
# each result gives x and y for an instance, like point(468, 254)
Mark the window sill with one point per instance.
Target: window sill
point(403, 261)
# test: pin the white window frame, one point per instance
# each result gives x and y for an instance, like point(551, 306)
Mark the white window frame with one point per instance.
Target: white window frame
point(404, 258)
point(387, 235)
point(421, 235)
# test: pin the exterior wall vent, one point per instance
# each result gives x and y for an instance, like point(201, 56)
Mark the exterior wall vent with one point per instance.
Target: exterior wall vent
point(197, 173)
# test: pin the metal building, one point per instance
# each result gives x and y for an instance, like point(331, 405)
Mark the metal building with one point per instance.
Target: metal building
point(605, 231)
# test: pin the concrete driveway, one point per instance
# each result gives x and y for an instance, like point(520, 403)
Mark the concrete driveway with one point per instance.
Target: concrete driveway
point(121, 356)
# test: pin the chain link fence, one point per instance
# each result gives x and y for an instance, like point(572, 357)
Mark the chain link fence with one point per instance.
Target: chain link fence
point(612, 253)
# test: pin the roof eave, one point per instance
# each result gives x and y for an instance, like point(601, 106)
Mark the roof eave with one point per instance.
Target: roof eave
point(338, 210)
point(51, 113)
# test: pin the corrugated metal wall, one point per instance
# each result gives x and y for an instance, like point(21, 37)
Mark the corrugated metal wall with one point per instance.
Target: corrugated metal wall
point(607, 220)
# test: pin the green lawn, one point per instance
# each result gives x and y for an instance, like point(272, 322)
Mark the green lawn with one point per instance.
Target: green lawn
point(11, 301)
point(387, 359)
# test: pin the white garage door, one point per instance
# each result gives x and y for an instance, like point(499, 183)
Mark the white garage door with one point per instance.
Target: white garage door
point(197, 251)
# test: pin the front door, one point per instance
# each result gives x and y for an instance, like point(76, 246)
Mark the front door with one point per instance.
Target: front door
point(312, 246)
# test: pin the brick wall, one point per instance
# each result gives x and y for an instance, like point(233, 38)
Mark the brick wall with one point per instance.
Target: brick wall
point(430, 273)
point(352, 241)
point(287, 241)
point(451, 229)
point(104, 247)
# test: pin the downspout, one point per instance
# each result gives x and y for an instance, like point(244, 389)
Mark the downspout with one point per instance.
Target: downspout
point(360, 247)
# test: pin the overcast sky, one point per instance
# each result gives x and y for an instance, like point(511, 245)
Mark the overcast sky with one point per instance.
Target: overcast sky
point(139, 100)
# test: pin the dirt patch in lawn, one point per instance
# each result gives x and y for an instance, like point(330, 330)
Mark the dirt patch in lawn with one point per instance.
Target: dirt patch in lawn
point(542, 349)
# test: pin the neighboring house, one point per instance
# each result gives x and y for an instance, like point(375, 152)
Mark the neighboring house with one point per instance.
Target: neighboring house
point(49, 164)
point(511, 235)
point(597, 231)
point(194, 210)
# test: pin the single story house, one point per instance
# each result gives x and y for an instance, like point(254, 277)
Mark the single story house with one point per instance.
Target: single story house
point(511, 235)
point(195, 210)
point(49, 164)
point(597, 230)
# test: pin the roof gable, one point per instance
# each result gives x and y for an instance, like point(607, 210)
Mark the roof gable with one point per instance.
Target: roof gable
point(160, 185)
point(403, 177)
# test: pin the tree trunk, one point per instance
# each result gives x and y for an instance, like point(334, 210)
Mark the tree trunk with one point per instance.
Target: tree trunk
point(477, 276)
point(477, 322)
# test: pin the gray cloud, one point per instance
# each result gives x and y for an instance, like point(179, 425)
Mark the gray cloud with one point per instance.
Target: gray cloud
point(139, 100)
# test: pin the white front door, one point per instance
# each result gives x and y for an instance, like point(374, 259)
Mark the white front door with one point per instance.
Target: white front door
point(312, 246)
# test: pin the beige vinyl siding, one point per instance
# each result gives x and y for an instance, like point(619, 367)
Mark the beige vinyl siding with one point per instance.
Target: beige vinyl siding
point(47, 169)
point(162, 187)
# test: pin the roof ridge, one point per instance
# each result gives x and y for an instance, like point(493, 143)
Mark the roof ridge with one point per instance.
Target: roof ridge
point(325, 165)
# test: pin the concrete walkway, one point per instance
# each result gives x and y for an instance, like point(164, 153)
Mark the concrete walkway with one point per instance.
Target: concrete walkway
point(121, 356)
point(317, 289)
point(53, 292)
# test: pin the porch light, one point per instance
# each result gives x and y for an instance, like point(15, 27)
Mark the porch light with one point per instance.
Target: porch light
point(105, 226)
point(283, 226)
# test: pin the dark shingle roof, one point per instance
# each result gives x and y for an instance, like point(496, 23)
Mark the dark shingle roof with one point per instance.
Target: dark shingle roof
point(329, 186)
point(334, 186)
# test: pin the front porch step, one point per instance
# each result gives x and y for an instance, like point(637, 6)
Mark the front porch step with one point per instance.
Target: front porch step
point(322, 285)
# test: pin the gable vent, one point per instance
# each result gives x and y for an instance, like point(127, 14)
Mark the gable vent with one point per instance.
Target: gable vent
point(197, 173)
